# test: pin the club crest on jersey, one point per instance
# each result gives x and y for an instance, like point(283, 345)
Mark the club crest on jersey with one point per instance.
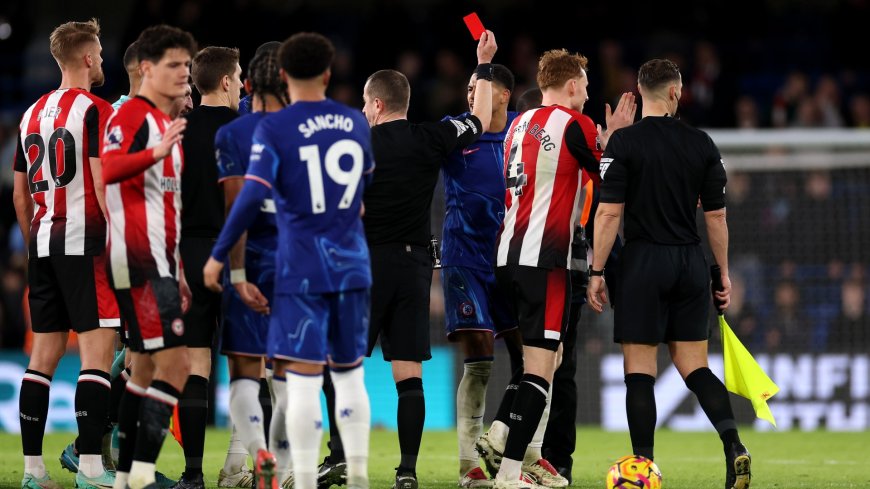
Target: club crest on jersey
point(114, 138)
point(466, 309)
point(178, 327)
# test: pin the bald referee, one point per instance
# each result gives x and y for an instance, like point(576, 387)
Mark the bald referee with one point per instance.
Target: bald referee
point(654, 172)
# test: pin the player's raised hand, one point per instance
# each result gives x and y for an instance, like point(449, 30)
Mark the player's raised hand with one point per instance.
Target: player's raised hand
point(252, 297)
point(622, 116)
point(174, 134)
point(596, 294)
point(486, 47)
point(211, 274)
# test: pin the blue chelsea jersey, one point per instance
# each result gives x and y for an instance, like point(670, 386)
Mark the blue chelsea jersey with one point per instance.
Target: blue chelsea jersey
point(233, 150)
point(316, 157)
point(474, 191)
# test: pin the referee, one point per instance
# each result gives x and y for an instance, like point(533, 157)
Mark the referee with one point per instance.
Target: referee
point(397, 225)
point(654, 172)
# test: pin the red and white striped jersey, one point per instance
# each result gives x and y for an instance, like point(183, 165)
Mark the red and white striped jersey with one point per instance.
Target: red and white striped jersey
point(57, 137)
point(546, 155)
point(144, 204)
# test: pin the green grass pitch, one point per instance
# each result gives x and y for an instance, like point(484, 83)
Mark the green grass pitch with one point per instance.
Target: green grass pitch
point(788, 460)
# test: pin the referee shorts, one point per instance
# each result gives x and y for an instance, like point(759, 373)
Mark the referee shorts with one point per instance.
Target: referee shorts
point(203, 317)
point(70, 293)
point(401, 279)
point(539, 301)
point(665, 294)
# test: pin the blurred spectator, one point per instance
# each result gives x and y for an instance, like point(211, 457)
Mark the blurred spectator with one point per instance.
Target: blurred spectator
point(787, 100)
point(815, 223)
point(446, 93)
point(410, 64)
point(611, 69)
point(741, 314)
point(808, 114)
point(851, 329)
point(741, 202)
point(710, 94)
point(746, 113)
point(859, 111)
point(12, 324)
point(787, 327)
point(828, 102)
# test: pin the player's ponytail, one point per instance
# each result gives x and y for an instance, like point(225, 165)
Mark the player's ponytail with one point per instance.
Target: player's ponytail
point(265, 77)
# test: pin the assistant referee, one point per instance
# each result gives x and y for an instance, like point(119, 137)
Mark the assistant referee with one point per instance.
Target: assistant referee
point(398, 204)
point(655, 172)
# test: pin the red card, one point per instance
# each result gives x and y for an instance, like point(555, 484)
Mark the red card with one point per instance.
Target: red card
point(475, 26)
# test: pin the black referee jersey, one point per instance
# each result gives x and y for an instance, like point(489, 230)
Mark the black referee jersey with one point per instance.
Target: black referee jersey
point(408, 158)
point(202, 199)
point(659, 167)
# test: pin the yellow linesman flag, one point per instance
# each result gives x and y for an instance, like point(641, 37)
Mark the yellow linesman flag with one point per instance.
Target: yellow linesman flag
point(743, 375)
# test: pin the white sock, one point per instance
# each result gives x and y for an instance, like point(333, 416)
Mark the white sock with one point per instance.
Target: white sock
point(34, 465)
point(278, 444)
point(304, 426)
point(353, 417)
point(141, 474)
point(470, 405)
point(121, 480)
point(91, 465)
point(237, 455)
point(510, 470)
point(533, 452)
point(247, 413)
point(498, 434)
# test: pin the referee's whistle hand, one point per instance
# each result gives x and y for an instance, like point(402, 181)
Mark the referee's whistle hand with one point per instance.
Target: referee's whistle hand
point(596, 294)
point(211, 274)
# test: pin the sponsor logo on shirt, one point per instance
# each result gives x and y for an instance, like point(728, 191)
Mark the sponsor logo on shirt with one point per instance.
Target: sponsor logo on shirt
point(170, 184)
point(468, 151)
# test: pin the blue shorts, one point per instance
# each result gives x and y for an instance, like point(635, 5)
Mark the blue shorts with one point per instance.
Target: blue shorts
point(473, 302)
point(245, 332)
point(314, 328)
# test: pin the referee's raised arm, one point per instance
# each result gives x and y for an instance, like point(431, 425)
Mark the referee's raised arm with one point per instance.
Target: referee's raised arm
point(398, 203)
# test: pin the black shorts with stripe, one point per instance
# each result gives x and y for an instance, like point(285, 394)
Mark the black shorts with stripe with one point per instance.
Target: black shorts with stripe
point(152, 313)
point(539, 300)
point(70, 292)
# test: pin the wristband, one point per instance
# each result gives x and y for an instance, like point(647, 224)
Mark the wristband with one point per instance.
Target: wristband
point(595, 273)
point(238, 276)
point(484, 71)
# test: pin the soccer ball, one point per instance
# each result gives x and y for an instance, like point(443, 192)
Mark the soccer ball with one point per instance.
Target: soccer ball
point(634, 472)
